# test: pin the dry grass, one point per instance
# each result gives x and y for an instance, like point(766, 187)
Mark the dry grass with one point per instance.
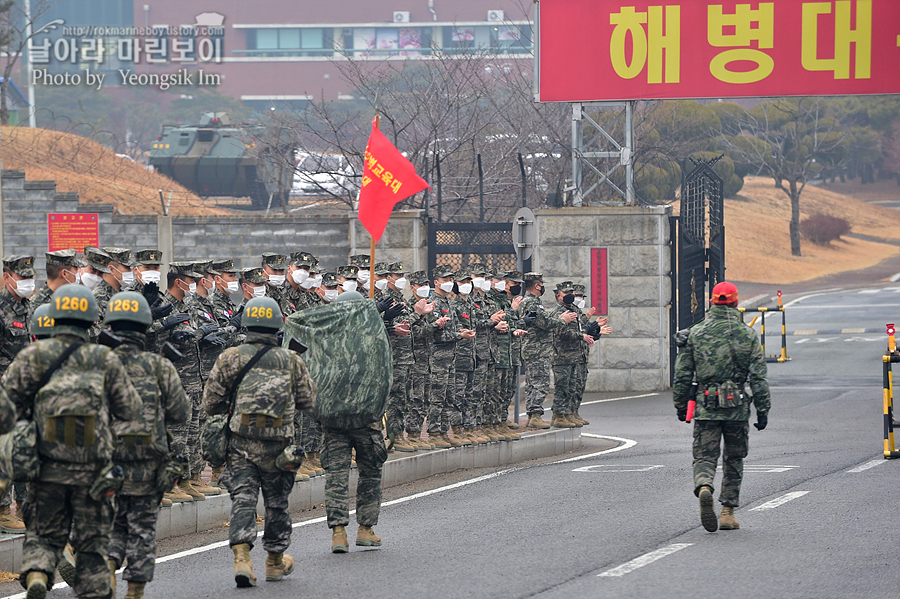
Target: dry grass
point(81, 165)
point(8, 577)
point(758, 245)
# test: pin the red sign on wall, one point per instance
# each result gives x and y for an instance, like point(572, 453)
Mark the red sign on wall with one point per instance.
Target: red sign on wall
point(595, 50)
point(72, 231)
point(599, 297)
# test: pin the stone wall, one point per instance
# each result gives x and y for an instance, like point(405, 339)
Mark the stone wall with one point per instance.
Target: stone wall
point(635, 357)
point(405, 239)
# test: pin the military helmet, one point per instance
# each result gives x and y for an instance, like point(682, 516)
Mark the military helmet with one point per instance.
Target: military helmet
point(41, 323)
point(129, 306)
point(262, 312)
point(348, 296)
point(73, 302)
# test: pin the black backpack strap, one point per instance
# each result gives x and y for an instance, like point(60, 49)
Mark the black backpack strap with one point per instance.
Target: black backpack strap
point(55, 366)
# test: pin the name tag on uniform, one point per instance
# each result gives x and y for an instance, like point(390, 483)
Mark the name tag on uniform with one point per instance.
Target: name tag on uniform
point(19, 325)
point(464, 315)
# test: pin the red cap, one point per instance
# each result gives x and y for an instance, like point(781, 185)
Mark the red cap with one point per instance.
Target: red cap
point(724, 293)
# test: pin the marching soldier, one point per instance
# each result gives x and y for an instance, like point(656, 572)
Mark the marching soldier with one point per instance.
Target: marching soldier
point(265, 403)
point(724, 354)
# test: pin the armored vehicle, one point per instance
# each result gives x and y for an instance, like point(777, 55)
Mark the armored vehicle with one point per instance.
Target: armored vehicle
point(218, 158)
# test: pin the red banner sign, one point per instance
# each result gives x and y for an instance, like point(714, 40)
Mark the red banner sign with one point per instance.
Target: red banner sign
point(599, 297)
point(72, 231)
point(598, 50)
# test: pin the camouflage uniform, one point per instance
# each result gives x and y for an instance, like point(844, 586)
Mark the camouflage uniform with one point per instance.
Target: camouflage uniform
point(420, 372)
point(277, 292)
point(99, 260)
point(137, 504)
point(719, 349)
point(503, 363)
point(581, 370)
point(397, 410)
point(278, 383)
point(483, 325)
point(537, 350)
point(60, 258)
point(567, 342)
point(462, 412)
point(156, 337)
point(443, 361)
point(58, 507)
point(514, 317)
point(370, 457)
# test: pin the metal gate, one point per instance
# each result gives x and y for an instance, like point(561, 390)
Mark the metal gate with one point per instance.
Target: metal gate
point(699, 265)
point(461, 244)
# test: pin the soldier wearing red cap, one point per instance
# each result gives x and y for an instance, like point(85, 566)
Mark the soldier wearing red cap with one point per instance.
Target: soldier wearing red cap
point(724, 355)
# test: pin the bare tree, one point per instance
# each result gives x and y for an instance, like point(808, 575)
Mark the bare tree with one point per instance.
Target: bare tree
point(16, 29)
point(791, 140)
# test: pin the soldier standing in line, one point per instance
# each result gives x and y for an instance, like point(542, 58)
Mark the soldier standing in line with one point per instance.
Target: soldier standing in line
point(120, 266)
point(514, 282)
point(87, 392)
point(595, 329)
point(253, 284)
point(143, 445)
point(348, 278)
point(503, 359)
point(295, 299)
point(724, 354)
point(330, 288)
point(361, 262)
point(62, 268)
point(262, 427)
point(147, 277)
point(483, 330)
point(446, 334)
point(420, 373)
point(226, 280)
point(275, 266)
point(309, 274)
point(569, 353)
point(93, 277)
point(400, 335)
point(18, 279)
point(537, 350)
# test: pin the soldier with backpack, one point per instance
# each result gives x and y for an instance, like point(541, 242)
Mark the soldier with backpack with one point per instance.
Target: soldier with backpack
point(73, 392)
point(143, 447)
point(262, 388)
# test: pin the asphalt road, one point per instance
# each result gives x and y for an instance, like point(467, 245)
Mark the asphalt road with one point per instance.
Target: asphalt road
point(816, 514)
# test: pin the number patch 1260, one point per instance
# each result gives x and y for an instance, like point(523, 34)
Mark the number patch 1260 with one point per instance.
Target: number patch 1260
point(74, 304)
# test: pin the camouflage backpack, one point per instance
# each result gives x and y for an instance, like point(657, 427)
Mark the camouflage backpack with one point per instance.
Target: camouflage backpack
point(349, 360)
point(145, 437)
point(263, 403)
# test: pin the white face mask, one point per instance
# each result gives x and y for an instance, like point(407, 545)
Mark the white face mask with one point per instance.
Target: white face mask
point(366, 285)
point(331, 295)
point(318, 281)
point(478, 282)
point(424, 291)
point(78, 278)
point(381, 284)
point(486, 286)
point(24, 288)
point(192, 289)
point(127, 278)
point(300, 276)
point(259, 291)
point(500, 286)
point(363, 275)
point(276, 280)
point(232, 286)
point(447, 287)
point(401, 283)
point(150, 276)
point(579, 301)
point(465, 288)
point(349, 285)
point(91, 280)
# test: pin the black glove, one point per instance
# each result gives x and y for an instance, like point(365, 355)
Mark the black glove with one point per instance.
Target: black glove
point(279, 336)
point(151, 292)
point(593, 329)
point(394, 311)
point(762, 420)
point(212, 340)
point(235, 320)
point(384, 303)
point(529, 318)
point(160, 310)
point(180, 337)
point(682, 415)
point(170, 322)
point(208, 329)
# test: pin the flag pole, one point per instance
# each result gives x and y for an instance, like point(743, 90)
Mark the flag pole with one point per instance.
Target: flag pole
point(372, 244)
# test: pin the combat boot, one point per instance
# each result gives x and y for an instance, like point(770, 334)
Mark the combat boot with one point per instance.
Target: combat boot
point(583, 421)
point(135, 590)
point(165, 502)
point(535, 421)
point(36, 583)
point(214, 478)
point(66, 566)
point(9, 523)
point(300, 477)
point(479, 437)
point(278, 565)
point(491, 432)
point(365, 537)
point(726, 519)
point(512, 424)
point(575, 420)
point(460, 439)
point(474, 437)
point(204, 488)
point(440, 441)
point(176, 495)
point(188, 489)
point(316, 462)
point(401, 444)
point(113, 566)
point(561, 421)
point(243, 567)
point(707, 511)
point(307, 469)
point(416, 440)
point(510, 435)
point(339, 540)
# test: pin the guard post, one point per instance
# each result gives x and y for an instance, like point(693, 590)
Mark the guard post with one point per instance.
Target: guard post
point(890, 357)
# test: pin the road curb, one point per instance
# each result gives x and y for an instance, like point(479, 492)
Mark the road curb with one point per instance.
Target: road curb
point(188, 518)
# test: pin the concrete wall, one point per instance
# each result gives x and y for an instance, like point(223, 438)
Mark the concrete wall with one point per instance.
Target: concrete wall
point(404, 240)
point(635, 357)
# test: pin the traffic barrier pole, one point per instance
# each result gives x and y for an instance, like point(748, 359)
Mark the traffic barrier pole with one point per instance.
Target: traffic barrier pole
point(889, 358)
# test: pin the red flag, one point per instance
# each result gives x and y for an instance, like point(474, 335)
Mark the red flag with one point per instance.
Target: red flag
point(388, 178)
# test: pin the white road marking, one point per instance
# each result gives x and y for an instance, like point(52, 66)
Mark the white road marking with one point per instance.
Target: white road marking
point(869, 291)
point(647, 558)
point(823, 292)
point(845, 306)
point(771, 505)
point(867, 465)
point(625, 444)
point(587, 403)
point(760, 468)
point(223, 544)
point(611, 468)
